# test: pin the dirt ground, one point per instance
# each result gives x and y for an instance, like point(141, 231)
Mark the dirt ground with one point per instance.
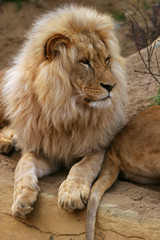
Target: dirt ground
point(14, 24)
point(13, 27)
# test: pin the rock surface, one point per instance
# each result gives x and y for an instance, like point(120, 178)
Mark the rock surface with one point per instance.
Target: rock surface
point(141, 86)
point(127, 210)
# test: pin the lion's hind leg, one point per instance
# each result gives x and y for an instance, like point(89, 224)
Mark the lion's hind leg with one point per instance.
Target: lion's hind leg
point(6, 143)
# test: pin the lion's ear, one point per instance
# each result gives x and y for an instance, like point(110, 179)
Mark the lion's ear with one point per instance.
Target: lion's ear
point(53, 45)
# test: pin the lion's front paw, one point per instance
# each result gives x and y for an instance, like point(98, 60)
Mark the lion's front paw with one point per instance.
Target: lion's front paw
point(6, 146)
point(24, 198)
point(73, 194)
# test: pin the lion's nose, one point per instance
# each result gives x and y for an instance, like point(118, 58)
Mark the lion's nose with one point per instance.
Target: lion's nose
point(108, 87)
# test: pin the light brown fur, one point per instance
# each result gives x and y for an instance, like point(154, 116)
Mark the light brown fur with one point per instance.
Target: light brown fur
point(6, 133)
point(134, 155)
point(64, 96)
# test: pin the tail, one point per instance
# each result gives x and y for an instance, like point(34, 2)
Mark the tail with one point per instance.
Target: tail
point(108, 176)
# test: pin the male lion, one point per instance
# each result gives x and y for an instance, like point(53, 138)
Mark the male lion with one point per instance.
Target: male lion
point(64, 97)
point(134, 155)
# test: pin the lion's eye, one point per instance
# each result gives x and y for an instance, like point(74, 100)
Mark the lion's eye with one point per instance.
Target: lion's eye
point(107, 59)
point(86, 62)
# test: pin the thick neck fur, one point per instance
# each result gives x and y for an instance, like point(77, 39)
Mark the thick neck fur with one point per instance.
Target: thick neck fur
point(65, 132)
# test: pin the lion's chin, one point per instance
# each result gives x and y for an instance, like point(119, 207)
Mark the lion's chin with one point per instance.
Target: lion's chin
point(101, 103)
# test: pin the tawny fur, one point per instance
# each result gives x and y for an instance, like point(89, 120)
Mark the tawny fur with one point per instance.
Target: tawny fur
point(57, 100)
point(40, 99)
point(133, 155)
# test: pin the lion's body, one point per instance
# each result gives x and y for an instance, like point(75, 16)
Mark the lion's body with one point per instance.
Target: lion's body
point(138, 155)
point(64, 97)
point(134, 155)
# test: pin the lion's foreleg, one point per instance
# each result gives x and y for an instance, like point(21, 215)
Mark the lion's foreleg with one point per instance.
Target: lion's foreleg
point(74, 191)
point(29, 169)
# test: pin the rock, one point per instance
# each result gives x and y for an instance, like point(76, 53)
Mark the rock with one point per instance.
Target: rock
point(141, 86)
point(120, 217)
point(127, 210)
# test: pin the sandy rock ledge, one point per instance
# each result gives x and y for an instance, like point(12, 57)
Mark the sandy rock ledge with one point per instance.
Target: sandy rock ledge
point(127, 211)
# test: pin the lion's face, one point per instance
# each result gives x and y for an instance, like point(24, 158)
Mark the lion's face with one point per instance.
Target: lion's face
point(91, 75)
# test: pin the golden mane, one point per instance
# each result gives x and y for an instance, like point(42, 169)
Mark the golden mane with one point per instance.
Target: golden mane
point(38, 94)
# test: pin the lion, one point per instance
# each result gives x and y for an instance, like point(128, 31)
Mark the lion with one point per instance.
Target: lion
point(133, 155)
point(63, 97)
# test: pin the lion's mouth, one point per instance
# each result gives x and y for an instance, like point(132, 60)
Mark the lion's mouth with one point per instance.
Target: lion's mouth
point(88, 100)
